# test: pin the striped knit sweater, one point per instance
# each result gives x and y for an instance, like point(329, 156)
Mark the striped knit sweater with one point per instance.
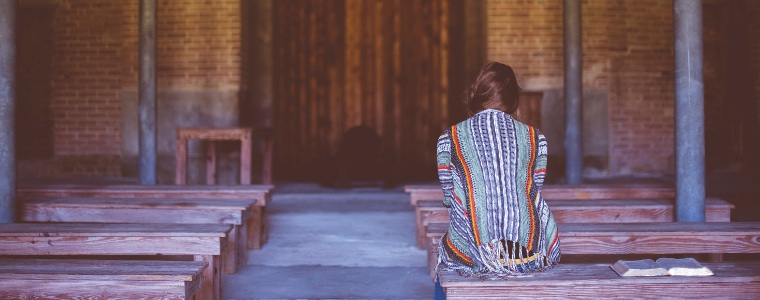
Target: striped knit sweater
point(491, 168)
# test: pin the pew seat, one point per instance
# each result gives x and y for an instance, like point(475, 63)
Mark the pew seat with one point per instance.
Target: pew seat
point(235, 212)
point(640, 238)
point(732, 280)
point(257, 225)
point(99, 279)
point(199, 242)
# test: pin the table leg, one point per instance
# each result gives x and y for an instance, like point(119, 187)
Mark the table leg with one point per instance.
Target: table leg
point(212, 278)
point(245, 160)
point(266, 164)
point(180, 176)
point(211, 163)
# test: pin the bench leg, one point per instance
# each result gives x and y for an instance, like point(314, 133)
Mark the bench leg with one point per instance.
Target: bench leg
point(257, 228)
point(211, 278)
point(232, 251)
point(211, 163)
point(242, 244)
point(180, 171)
point(420, 230)
point(432, 253)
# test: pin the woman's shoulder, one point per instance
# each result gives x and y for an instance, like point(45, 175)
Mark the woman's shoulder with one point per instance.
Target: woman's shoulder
point(526, 126)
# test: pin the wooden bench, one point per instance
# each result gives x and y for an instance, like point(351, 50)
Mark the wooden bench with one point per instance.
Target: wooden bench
point(641, 238)
point(99, 279)
point(204, 242)
point(566, 192)
point(235, 212)
point(584, 211)
point(257, 230)
point(732, 280)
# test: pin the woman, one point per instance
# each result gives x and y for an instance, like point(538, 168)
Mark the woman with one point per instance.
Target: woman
point(491, 168)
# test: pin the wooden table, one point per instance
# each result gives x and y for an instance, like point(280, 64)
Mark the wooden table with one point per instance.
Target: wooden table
point(211, 136)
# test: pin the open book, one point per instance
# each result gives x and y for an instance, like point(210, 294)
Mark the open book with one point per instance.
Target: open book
point(662, 267)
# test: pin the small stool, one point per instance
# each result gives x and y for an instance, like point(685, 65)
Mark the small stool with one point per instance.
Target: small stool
point(211, 136)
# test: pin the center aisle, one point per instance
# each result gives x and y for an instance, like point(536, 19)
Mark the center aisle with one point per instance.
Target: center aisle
point(335, 244)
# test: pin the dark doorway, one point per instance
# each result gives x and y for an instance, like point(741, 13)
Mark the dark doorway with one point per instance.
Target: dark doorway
point(34, 120)
point(732, 136)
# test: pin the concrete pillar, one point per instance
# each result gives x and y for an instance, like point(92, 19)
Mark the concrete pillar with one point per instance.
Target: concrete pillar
point(573, 92)
point(261, 66)
point(689, 111)
point(7, 109)
point(147, 92)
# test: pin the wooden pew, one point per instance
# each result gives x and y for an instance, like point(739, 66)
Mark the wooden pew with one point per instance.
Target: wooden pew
point(732, 280)
point(641, 238)
point(235, 212)
point(584, 211)
point(566, 191)
point(257, 229)
point(99, 279)
point(204, 242)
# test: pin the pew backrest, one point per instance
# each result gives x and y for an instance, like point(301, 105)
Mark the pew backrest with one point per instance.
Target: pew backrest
point(566, 192)
point(260, 192)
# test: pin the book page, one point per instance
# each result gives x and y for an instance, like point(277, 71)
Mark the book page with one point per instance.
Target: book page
point(684, 267)
point(643, 267)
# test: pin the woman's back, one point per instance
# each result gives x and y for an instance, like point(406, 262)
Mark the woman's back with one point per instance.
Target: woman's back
point(491, 169)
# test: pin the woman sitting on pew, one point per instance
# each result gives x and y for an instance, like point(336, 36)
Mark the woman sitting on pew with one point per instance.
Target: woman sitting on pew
point(491, 168)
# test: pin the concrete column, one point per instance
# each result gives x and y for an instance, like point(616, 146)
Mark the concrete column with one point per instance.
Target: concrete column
point(573, 92)
point(689, 111)
point(7, 109)
point(147, 92)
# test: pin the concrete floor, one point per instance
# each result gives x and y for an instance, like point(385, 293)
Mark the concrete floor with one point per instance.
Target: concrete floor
point(359, 243)
point(335, 244)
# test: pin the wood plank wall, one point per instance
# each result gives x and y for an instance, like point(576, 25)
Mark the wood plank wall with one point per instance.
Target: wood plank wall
point(385, 64)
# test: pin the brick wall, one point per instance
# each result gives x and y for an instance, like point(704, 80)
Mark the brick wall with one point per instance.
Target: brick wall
point(627, 48)
point(627, 45)
point(86, 77)
point(96, 61)
point(198, 44)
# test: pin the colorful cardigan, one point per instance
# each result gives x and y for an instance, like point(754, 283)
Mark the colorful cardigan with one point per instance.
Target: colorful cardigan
point(491, 168)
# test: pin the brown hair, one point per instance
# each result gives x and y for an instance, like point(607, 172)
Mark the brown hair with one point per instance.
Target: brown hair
point(495, 87)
